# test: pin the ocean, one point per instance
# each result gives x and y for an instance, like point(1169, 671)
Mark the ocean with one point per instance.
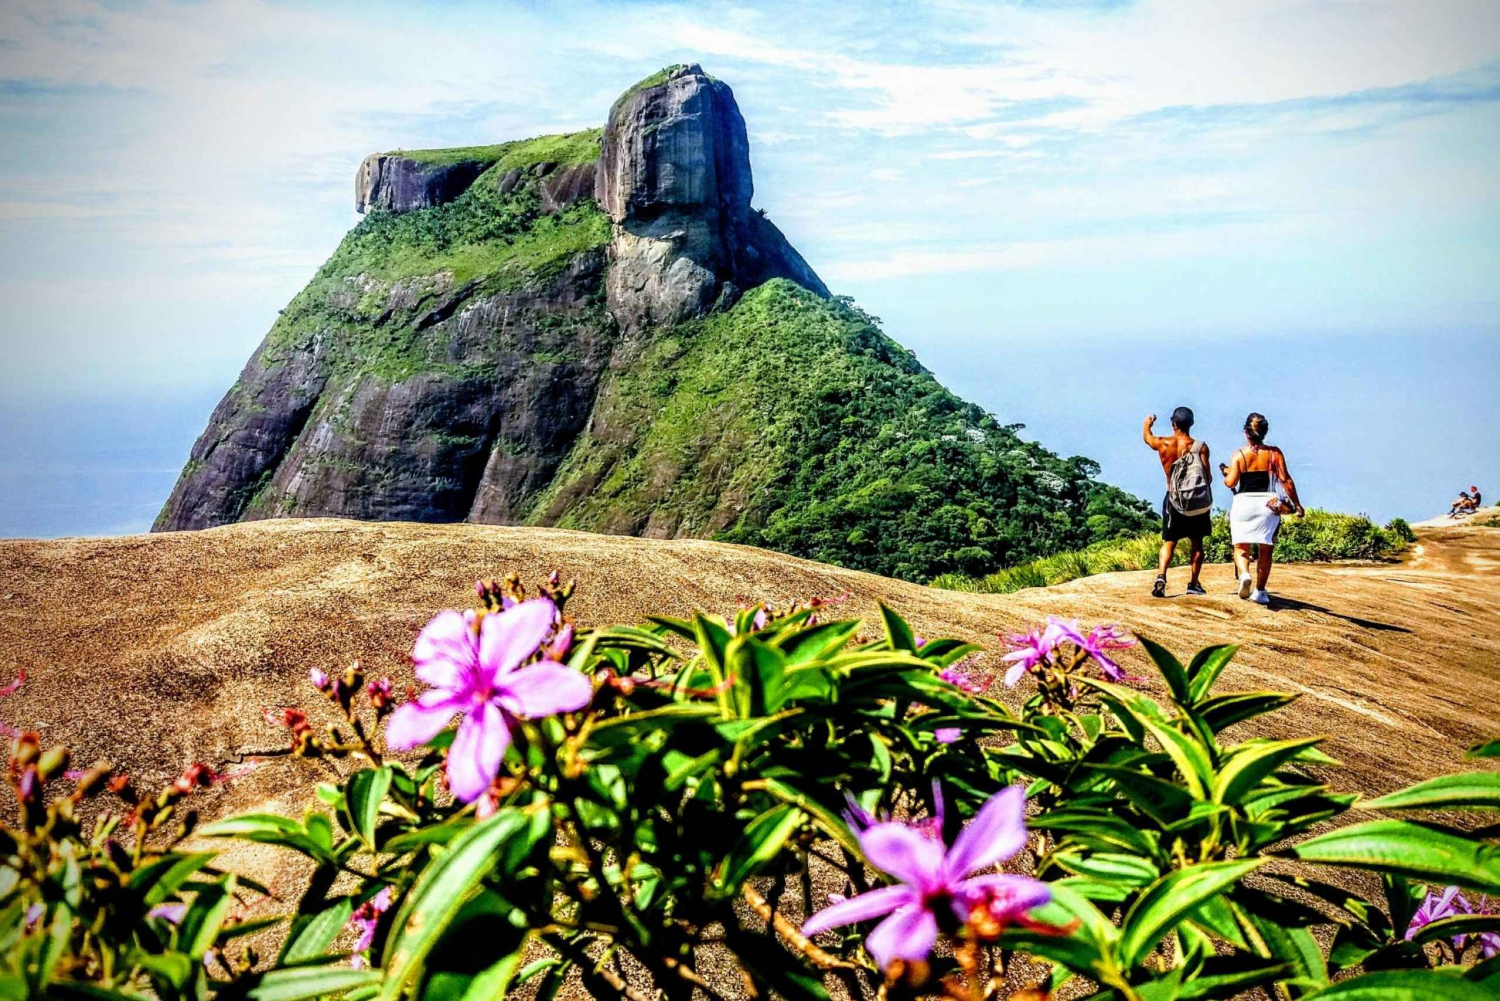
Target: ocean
point(1386, 425)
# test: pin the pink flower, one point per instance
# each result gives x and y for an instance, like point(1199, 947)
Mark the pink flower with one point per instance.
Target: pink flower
point(938, 883)
point(379, 692)
point(958, 676)
point(561, 643)
point(947, 734)
point(480, 676)
point(1435, 908)
point(1032, 649)
point(1452, 903)
point(366, 918)
point(1028, 651)
point(170, 913)
point(319, 679)
point(1096, 642)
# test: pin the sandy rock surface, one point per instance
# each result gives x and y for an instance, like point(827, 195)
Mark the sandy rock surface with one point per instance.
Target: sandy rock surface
point(157, 651)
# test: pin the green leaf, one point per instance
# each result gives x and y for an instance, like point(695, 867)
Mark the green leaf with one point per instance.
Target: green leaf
point(312, 934)
point(1170, 898)
point(807, 645)
point(713, 642)
point(270, 829)
point(1401, 848)
point(158, 880)
point(1186, 753)
point(1484, 749)
point(1171, 669)
point(1223, 711)
point(1459, 924)
point(1109, 867)
point(1404, 985)
point(1205, 669)
point(299, 983)
point(432, 834)
point(1467, 790)
point(832, 825)
point(440, 893)
point(1088, 951)
point(762, 841)
point(495, 980)
point(363, 795)
point(1251, 762)
point(202, 920)
point(897, 632)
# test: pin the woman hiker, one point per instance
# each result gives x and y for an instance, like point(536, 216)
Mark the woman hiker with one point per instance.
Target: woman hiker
point(1255, 515)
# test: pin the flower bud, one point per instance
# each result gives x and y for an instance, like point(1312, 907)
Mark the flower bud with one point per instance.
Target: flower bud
point(29, 786)
point(319, 679)
point(53, 763)
point(28, 747)
point(561, 643)
point(379, 692)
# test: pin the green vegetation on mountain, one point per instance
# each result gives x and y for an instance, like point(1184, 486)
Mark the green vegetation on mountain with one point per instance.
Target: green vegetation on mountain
point(394, 267)
point(1321, 537)
point(497, 346)
point(791, 422)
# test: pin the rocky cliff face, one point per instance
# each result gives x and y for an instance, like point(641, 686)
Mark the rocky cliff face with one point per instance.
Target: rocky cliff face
point(597, 330)
point(674, 177)
point(399, 183)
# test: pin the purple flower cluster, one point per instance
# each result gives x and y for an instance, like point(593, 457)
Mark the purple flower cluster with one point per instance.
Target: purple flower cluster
point(1451, 903)
point(1029, 651)
point(477, 667)
point(937, 883)
point(366, 917)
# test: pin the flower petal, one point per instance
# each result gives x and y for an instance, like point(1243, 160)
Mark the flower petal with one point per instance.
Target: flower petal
point(1007, 897)
point(445, 648)
point(859, 908)
point(997, 832)
point(474, 758)
point(418, 722)
point(905, 853)
point(513, 635)
point(907, 934)
point(543, 689)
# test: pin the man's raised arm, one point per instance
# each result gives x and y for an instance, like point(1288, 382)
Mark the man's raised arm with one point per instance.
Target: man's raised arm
point(1147, 436)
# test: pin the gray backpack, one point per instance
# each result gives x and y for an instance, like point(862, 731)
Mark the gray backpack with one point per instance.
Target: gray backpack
point(1188, 488)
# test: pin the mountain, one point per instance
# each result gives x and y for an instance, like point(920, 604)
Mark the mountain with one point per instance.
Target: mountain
point(598, 331)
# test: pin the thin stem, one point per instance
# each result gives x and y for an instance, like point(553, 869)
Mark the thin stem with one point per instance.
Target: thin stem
point(791, 934)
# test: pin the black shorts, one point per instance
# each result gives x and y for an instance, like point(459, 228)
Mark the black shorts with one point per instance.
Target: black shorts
point(1176, 526)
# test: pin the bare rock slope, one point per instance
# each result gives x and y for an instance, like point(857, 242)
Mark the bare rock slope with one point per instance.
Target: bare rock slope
point(157, 651)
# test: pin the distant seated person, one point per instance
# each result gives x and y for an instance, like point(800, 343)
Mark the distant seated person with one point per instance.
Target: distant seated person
point(1474, 497)
point(1465, 505)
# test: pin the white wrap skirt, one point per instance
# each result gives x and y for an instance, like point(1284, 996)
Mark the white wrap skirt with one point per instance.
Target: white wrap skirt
point(1251, 519)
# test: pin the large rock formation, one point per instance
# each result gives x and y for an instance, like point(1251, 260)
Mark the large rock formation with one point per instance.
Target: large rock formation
point(598, 331)
point(674, 176)
point(400, 183)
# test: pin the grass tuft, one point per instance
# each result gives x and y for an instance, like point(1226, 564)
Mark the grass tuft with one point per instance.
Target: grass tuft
point(1321, 537)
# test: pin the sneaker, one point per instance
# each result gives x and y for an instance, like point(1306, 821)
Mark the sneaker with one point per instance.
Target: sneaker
point(1159, 588)
point(1260, 597)
point(1195, 588)
point(1246, 586)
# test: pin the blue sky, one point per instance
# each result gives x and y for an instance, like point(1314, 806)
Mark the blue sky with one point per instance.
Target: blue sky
point(1106, 179)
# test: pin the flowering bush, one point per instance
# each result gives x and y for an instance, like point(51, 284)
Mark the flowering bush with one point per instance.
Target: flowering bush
point(786, 797)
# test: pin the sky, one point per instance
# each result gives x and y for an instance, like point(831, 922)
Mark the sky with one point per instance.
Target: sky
point(1075, 212)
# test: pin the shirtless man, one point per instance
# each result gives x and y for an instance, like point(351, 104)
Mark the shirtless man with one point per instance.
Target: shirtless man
point(1176, 526)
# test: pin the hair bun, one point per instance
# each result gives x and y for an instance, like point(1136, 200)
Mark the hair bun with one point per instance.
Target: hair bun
point(1256, 427)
